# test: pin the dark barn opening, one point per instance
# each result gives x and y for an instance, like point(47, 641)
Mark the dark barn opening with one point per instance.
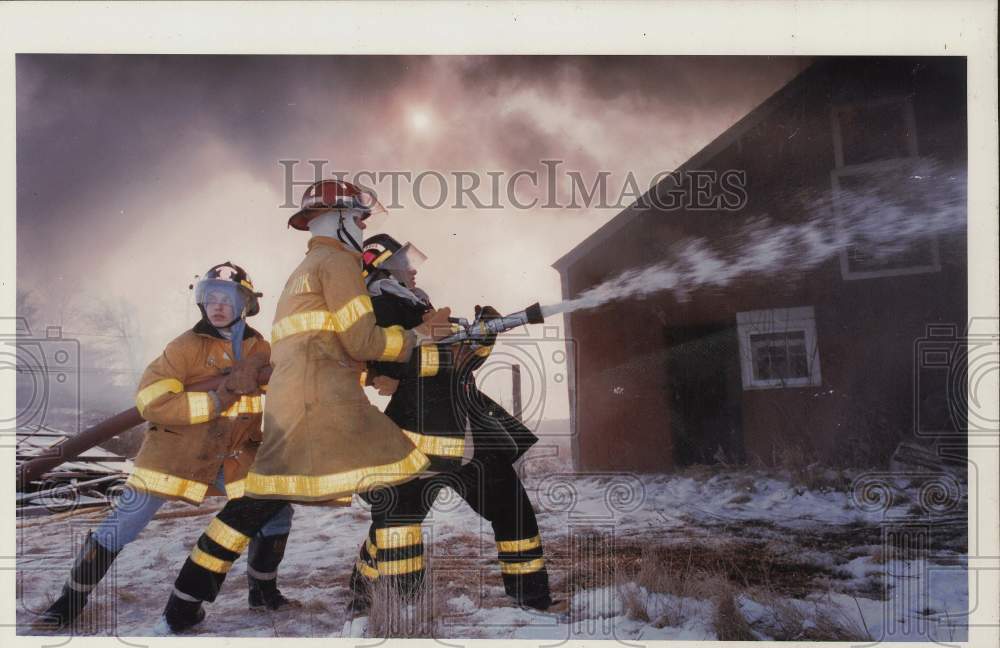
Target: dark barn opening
point(703, 376)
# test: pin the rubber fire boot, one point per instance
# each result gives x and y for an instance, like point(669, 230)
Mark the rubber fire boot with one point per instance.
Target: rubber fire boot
point(181, 614)
point(264, 557)
point(92, 563)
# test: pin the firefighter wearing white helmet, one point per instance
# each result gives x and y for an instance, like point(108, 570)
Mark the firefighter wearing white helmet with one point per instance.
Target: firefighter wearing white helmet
point(197, 443)
point(323, 440)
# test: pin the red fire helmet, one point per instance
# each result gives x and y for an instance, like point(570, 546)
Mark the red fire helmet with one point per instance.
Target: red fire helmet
point(325, 195)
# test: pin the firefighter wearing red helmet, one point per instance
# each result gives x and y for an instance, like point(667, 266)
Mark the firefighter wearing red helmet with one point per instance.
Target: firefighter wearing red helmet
point(197, 443)
point(343, 206)
point(323, 440)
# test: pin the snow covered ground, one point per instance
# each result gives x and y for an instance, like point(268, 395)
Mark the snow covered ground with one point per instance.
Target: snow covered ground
point(705, 553)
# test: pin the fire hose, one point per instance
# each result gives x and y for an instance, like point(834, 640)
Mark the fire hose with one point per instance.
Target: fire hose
point(101, 432)
point(31, 470)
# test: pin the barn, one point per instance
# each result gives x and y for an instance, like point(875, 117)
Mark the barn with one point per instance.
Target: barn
point(824, 360)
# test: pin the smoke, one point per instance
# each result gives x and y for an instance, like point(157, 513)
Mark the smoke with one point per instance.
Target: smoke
point(885, 215)
point(170, 164)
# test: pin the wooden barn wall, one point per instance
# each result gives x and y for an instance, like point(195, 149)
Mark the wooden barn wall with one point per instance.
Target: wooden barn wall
point(866, 329)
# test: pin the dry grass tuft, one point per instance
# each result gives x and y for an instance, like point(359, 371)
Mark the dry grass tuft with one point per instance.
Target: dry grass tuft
point(665, 585)
point(659, 573)
point(728, 622)
point(634, 603)
point(805, 469)
point(397, 615)
point(813, 620)
point(695, 569)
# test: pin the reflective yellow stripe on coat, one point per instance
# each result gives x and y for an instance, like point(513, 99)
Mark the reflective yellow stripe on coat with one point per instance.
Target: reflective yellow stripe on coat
point(151, 392)
point(338, 485)
point(153, 481)
point(338, 322)
point(199, 407)
point(323, 320)
point(440, 446)
point(236, 489)
point(245, 405)
point(394, 340)
point(430, 360)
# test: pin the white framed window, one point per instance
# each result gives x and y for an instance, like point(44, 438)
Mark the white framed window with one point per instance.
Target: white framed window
point(875, 248)
point(778, 348)
point(875, 156)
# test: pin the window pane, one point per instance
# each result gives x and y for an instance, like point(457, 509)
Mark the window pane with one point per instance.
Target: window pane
point(906, 188)
point(779, 356)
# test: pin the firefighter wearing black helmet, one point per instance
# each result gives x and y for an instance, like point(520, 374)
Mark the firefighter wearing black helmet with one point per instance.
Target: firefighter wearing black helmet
point(434, 398)
point(196, 444)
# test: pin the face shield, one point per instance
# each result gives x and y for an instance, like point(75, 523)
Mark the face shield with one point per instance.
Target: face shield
point(375, 218)
point(403, 264)
point(222, 302)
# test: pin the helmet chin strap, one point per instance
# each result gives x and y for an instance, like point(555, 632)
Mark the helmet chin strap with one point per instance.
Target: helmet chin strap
point(343, 232)
point(338, 224)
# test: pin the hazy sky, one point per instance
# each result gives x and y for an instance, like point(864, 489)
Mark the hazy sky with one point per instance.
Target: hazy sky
point(135, 173)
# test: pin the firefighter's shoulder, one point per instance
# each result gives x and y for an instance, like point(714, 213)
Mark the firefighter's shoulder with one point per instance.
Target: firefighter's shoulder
point(335, 261)
point(186, 347)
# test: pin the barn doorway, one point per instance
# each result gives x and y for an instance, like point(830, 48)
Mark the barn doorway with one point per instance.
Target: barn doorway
point(703, 377)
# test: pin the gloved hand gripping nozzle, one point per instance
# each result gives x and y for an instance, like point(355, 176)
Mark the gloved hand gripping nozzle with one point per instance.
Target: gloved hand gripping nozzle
point(482, 329)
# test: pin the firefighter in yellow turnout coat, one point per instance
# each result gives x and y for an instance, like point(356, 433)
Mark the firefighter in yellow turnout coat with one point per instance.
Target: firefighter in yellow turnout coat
point(317, 408)
point(323, 440)
point(169, 468)
point(197, 443)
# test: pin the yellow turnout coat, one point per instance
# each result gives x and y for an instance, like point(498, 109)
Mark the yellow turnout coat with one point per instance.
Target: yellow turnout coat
point(323, 440)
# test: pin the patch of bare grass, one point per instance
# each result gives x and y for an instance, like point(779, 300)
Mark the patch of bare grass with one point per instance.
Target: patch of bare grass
point(728, 621)
point(816, 619)
point(399, 615)
point(805, 469)
point(664, 590)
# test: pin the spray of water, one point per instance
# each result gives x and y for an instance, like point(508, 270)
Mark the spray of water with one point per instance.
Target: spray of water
point(884, 216)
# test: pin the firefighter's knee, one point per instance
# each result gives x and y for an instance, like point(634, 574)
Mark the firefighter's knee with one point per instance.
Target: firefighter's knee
point(210, 560)
point(280, 523)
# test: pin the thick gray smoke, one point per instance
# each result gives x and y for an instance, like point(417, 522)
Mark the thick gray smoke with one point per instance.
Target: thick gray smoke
point(884, 216)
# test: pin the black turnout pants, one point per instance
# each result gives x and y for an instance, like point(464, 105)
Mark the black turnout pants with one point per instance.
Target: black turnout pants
point(394, 548)
point(227, 535)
